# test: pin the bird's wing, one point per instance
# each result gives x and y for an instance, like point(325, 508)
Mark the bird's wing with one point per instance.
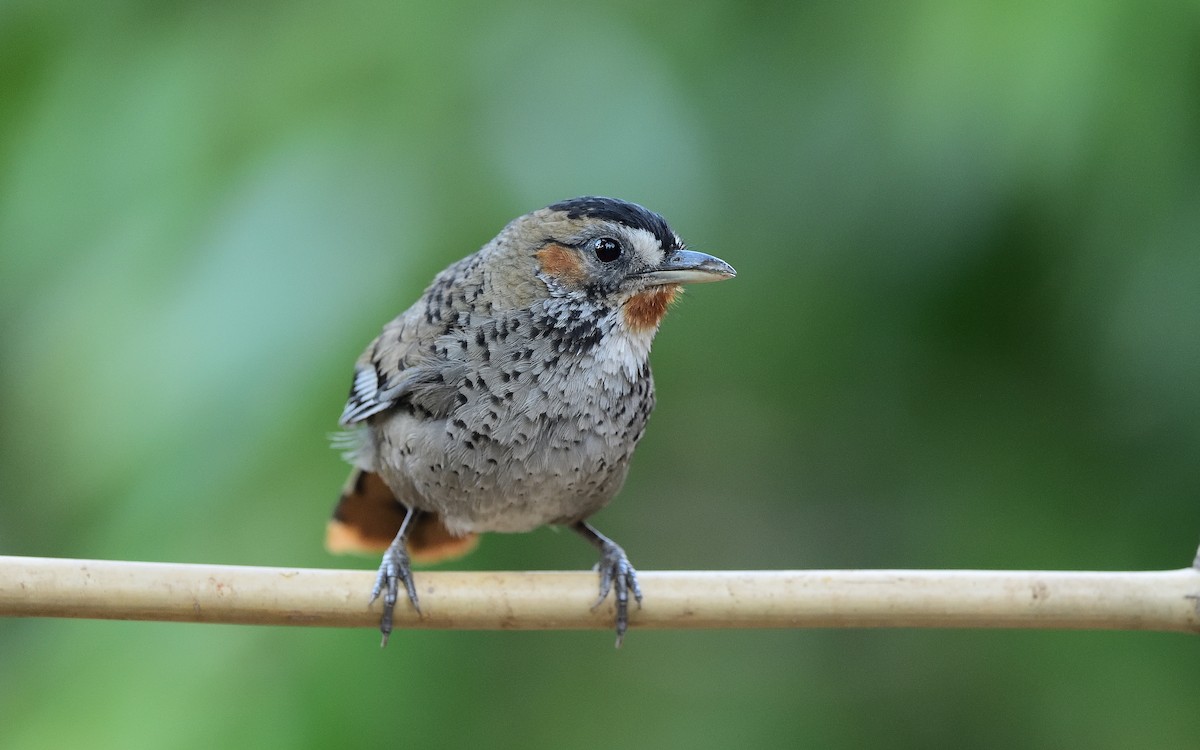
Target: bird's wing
point(373, 391)
point(403, 372)
point(416, 360)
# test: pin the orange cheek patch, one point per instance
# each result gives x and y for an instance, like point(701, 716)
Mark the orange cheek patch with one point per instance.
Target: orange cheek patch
point(644, 311)
point(561, 263)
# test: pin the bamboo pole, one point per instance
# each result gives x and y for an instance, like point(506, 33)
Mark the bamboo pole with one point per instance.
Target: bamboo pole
point(1156, 600)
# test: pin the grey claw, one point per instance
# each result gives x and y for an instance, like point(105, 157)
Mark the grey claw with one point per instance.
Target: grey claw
point(619, 576)
point(393, 569)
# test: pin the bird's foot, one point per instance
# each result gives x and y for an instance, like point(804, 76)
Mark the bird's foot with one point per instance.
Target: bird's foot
point(392, 570)
point(618, 575)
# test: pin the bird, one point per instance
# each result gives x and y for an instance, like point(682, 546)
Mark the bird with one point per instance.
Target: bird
point(512, 393)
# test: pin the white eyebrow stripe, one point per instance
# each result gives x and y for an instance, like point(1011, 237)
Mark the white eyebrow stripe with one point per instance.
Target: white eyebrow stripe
point(646, 245)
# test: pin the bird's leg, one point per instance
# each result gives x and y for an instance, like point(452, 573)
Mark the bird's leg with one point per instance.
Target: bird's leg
point(395, 568)
point(615, 574)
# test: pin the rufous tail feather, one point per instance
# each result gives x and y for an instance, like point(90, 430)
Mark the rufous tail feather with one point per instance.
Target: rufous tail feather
point(368, 516)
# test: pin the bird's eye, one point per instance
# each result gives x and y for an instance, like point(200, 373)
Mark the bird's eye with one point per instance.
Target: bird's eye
point(606, 249)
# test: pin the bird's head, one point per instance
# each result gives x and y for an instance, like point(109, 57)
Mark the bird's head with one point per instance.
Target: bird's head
point(611, 253)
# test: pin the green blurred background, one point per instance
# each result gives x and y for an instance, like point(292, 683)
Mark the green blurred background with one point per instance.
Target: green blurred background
point(965, 333)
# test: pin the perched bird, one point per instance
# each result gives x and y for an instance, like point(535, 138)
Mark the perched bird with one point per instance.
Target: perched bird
point(512, 394)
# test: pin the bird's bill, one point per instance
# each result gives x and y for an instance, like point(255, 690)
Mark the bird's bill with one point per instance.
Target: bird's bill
point(690, 267)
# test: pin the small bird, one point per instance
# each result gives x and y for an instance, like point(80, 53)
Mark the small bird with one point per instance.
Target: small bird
point(512, 394)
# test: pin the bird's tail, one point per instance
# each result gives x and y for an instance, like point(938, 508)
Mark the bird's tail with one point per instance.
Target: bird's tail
point(368, 516)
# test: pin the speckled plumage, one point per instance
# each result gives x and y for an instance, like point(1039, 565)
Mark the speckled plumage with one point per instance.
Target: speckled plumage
point(513, 392)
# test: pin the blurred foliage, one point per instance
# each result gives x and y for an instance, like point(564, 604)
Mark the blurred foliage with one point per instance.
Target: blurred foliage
point(964, 334)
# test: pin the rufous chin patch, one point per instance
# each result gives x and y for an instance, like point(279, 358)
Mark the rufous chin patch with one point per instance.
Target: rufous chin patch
point(562, 263)
point(645, 310)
